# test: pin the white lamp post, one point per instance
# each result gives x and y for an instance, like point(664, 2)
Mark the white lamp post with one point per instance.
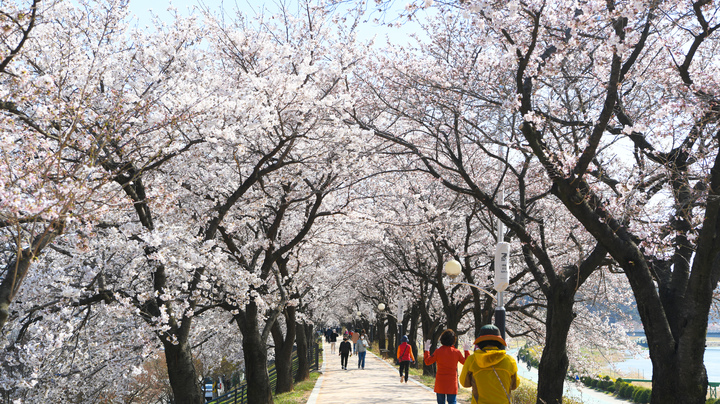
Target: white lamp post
point(502, 254)
point(502, 281)
point(400, 312)
point(453, 269)
point(381, 309)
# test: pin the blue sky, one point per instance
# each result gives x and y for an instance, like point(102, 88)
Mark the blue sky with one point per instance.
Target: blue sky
point(144, 9)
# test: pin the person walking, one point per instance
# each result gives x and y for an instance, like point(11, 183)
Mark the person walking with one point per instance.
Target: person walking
point(405, 357)
point(354, 336)
point(333, 340)
point(345, 352)
point(446, 357)
point(490, 371)
point(362, 347)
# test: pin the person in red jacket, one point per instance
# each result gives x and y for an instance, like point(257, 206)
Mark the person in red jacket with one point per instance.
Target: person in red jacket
point(405, 356)
point(447, 358)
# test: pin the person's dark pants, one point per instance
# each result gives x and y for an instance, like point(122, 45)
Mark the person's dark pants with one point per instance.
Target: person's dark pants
point(404, 365)
point(344, 360)
point(451, 398)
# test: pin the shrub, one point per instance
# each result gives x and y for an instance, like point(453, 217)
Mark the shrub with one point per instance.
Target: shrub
point(627, 391)
point(636, 395)
point(619, 388)
point(631, 391)
point(644, 396)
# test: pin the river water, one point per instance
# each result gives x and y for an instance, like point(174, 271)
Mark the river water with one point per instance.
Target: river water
point(641, 367)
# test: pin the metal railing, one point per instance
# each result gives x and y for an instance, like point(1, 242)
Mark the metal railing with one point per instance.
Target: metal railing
point(239, 394)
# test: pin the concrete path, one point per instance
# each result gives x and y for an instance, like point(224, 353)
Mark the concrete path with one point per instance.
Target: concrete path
point(377, 383)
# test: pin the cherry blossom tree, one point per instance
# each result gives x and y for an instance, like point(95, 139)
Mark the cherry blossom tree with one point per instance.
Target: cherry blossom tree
point(304, 152)
point(114, 109)
point(41, 182)
point(436, 103)
point(664, 247)
point(618, 102)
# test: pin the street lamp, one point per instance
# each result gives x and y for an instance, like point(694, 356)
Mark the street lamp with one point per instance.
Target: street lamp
point(502, 253)
point(453, 269)
point(381, 323)
point(398, 317)
point(502, 281)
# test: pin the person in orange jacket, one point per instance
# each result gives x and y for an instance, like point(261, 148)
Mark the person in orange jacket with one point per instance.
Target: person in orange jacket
point(405, 356)
point(447, 358)
point(490, 371)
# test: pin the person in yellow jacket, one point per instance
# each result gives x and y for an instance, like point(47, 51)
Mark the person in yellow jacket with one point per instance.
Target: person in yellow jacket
point(490, 371)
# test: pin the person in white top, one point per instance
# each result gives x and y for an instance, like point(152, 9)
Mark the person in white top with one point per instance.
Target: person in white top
point(362, 347)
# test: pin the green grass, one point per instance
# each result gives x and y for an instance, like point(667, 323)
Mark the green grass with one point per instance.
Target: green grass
point(301, 391)
point(299, 395)
point(526, 393)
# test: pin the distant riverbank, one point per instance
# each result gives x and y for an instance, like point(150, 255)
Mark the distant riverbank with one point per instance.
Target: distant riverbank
point(641, 367)
point(712, 340)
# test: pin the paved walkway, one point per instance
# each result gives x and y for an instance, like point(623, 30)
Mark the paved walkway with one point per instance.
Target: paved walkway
point(377, 383)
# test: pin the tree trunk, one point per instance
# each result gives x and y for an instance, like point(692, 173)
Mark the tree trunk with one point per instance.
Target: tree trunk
point(302, 341)
point(676, 347)
point(483, 310)
point(430, 332)
point(283, 351)
point(453, 313)
point(258, 380)
point(554, 362)
point(392, 336)
point(380, 331)
point(689, 385)
point(181, 374)
point(412, 332)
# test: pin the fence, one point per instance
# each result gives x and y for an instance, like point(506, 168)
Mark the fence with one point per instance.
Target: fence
point(239, 394)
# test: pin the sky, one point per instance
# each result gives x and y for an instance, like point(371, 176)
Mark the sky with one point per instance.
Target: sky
point(144, 9)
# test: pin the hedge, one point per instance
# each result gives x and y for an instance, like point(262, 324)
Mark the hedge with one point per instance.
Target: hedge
point(623, 389)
